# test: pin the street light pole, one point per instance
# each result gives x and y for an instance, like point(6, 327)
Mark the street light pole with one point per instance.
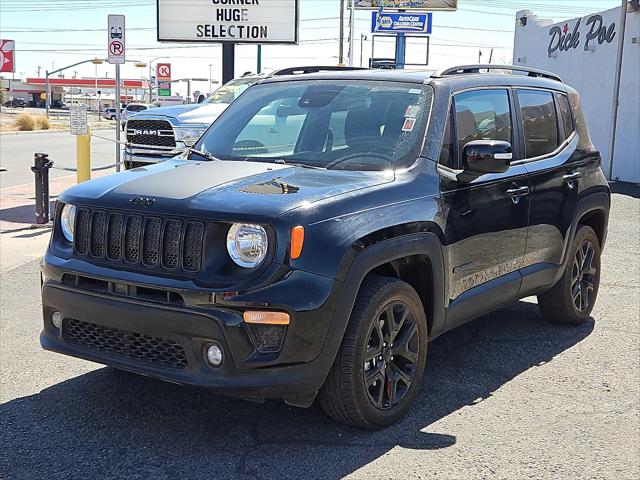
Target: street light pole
point(352, 31)
point(363, 38)
point(210, 76)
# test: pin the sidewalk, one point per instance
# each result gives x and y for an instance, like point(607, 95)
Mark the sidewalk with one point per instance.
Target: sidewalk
point(20, 240)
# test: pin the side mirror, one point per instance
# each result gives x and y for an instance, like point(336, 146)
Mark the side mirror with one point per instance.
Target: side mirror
point(486, 156)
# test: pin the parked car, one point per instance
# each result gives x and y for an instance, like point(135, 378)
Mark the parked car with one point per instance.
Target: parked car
point(165, 132)
point(133, 109)
point(110, 113)
point(16, 103)
point(325, 228)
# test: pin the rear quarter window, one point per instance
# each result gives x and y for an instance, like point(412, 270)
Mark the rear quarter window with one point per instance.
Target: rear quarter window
point(539, 122)
point(568, 124)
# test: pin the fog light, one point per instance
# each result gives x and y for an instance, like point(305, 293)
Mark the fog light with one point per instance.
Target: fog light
point(267, 338)
point(214, 355)
point(56, 319)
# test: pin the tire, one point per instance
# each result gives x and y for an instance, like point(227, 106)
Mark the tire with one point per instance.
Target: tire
point(571, 300)
point(344, 396)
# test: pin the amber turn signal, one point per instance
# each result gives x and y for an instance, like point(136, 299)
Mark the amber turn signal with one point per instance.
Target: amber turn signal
point(266, 318)
point(297, 242)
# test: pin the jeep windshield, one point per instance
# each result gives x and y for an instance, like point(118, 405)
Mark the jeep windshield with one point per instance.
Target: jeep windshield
point(333, 124)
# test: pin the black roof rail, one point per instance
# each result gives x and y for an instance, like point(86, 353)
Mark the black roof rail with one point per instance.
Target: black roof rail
point(312, 69)
point(465, 69)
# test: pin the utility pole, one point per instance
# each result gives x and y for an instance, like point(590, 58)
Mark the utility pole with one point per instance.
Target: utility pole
point(341, 52)
point(616, 86)
point(352, 31)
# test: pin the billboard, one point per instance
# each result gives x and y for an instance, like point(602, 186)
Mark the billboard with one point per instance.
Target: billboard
point(424, 5)
point(416, 23)
point(225, 21)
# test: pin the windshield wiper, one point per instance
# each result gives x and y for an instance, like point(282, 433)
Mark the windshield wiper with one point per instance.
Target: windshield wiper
point(205, 155)
point(282, 161)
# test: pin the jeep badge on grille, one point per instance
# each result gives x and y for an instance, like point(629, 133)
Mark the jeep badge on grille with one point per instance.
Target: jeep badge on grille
point(142, 201)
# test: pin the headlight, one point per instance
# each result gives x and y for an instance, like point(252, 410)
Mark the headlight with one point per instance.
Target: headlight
point(189, 136)
point(68, 220)
point(247, 244)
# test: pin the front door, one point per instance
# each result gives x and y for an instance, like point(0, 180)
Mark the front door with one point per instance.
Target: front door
point(486, 217)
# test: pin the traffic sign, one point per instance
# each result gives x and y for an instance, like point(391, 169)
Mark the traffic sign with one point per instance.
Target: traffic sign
point(383, 22)
point(7, 56)
point(116, 39)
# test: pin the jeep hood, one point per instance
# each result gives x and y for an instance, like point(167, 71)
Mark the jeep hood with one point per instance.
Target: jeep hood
point(224, 190)
point(197, 113)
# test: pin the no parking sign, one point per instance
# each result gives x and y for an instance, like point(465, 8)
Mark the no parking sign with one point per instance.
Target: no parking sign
point(116, 40)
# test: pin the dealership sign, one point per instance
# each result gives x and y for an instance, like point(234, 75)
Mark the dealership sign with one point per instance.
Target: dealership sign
point(234, 21)
point(7, 56)
point(566, 38)
point(401, 22)
point(446, 5)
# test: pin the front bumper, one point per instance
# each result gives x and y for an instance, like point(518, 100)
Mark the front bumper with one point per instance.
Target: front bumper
point(135, 157)
point(132, 334)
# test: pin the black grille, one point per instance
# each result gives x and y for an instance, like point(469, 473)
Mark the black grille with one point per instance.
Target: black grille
point(152, 241)
point(193, 237)
point(132, 239)
point(151, 250)
point(98, 229)
point(158, 351)
point(153, 133)
point(171, 244)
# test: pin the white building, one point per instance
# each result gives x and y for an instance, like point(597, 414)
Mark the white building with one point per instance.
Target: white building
point(583, 51)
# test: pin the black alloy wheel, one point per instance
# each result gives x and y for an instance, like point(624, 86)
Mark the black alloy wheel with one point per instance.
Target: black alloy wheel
point(391, 355)
point(583, 274)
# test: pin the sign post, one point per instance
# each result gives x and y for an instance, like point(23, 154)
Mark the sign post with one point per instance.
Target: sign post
point(117, 55)
point(80, 128)
point(248, 22)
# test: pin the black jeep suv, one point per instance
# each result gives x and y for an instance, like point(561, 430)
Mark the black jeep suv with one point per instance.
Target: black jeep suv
point(325, 228)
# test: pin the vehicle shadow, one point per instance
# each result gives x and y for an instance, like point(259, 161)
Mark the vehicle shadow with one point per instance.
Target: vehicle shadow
point(108, 423)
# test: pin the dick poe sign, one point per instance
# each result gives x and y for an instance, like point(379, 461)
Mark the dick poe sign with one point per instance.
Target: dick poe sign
point(233, 21)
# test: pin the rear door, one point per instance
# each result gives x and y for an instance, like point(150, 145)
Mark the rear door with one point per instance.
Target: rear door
point(548, 142)
point(486, 217)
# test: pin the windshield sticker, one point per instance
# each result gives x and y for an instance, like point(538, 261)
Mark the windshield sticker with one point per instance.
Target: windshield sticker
point(412, 111)
point(409, 125)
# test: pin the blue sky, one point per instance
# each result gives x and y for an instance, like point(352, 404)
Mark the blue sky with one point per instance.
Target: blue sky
point(61, 32)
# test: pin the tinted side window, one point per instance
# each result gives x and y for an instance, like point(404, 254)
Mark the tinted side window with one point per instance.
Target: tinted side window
point(539, 122)
point(448, 150)
point(482, 115)
point(567, 117)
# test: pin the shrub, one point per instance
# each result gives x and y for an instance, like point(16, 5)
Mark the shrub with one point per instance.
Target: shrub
point(25, 122)
point(42, 122)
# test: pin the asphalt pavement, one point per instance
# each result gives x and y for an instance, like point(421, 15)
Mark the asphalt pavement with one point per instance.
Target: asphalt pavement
point(17, 149)
point(507, 396)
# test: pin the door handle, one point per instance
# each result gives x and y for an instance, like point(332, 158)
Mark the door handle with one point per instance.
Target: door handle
point(518, 192)
point(571, 179)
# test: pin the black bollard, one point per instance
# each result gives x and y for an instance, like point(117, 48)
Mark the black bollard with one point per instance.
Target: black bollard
point(41, 166)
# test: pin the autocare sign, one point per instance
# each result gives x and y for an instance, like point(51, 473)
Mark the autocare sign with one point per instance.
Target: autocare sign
point(163, 72)
point(7, 56)
point(237, 21)
point(116, 39)
point(383, 22)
